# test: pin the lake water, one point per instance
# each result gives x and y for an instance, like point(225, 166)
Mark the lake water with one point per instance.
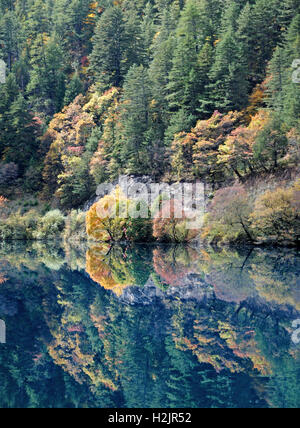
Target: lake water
point(148, 326)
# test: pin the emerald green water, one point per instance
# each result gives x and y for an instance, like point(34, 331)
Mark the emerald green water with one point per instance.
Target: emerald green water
point(148, 326)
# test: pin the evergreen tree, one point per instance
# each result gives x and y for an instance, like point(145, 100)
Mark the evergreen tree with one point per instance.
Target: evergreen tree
point(160, 67)
point(148, 30)
point(277, 80)
point(267, 34)
point(134, 48)
point(117, 45)
point(47, 81)
point(186, 84)
point(283, 92)
point(21, 142)
point(108, 43)
point(10, 38)
point(292, 88)
point(135, 120)
point(229, 87)
point(8, 94)
point(74, 88)
point(190, 37)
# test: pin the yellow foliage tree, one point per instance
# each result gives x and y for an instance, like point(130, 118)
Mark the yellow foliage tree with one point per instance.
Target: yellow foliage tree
point(277, 214)
point(106, 220)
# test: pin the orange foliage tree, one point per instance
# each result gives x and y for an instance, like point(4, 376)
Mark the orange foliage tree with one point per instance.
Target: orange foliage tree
point(237, 152)
point(195, 154)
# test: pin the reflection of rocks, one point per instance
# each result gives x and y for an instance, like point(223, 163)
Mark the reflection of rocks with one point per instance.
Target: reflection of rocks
point(192, 287)
point(230, 291)
point(195, 289)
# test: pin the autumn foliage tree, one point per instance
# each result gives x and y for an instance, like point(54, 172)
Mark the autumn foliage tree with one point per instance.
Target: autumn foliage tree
point(110, 219)
point(276, 215)
point(228, 217)
point(195, 154)
point(239, 153)
point(173, 224)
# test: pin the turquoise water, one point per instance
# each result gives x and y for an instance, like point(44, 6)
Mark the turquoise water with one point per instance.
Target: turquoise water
point(148, 326)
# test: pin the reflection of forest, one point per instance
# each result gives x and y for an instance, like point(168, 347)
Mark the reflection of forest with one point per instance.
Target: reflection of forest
point(68, 335)
point(235, 276)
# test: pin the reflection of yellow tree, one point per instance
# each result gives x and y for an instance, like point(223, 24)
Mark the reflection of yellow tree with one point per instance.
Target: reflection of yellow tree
point(109, 269)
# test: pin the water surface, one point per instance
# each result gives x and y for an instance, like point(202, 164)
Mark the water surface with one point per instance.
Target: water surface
point(148, 326)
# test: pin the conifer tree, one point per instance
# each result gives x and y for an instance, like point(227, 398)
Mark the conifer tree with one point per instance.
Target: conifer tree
point(185, 80)
point(135, 120)
point(160, 67)
point(106, 59)
point(267, 34)
point(47, 81)
point(229, 88)
point(148, 30)
point(74, 88)
point(10, 38)
point(189, 40)
point(292, 88)
point(21, 142)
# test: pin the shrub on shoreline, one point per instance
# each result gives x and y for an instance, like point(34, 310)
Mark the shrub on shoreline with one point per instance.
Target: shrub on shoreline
point(32, 226)
point(75, 229)
point(236, 216)
point(18, 227)
point(276, 215)
point(50, 226)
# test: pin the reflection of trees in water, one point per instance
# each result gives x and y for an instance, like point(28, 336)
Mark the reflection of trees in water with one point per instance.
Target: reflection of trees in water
point(2, 331)
point(33, 255)
point(220, 352)
point(149, 352)
point(134, 349)
point(275, 277)
point(228, 272)
point(240, 275)
point(173, 263)
point(3, 278)
point(235, 275)
point(116, 268)
point(219, 338)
